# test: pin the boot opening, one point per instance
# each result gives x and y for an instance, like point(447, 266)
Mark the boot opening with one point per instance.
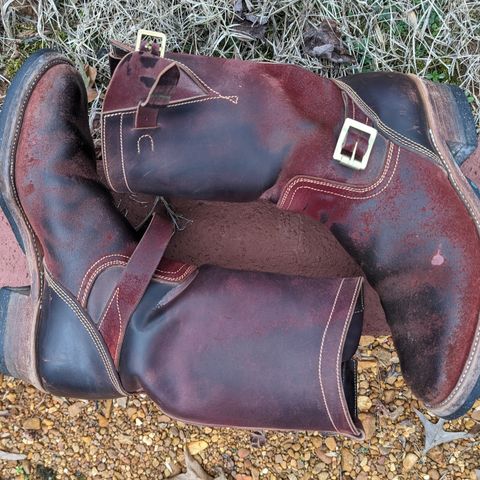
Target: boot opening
point(349, 365)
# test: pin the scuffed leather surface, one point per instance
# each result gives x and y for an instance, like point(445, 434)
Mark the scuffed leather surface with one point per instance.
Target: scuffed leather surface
point(260, 119)
point(57, 184)
point(400, 219)
point(77, 228)
point(419, 249)
point(395, 99)
point(243, 349)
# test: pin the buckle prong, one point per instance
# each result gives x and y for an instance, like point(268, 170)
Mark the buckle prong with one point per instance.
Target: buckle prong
point(151, 33)
point(351, 161)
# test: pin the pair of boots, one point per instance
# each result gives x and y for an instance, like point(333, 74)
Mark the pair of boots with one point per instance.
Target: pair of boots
point(372, 156)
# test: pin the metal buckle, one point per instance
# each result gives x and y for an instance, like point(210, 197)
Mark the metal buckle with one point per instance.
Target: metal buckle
point(351, 161)
point(151, 33)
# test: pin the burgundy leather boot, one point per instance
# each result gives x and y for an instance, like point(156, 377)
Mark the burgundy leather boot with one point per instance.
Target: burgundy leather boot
point(374, 157)
point(103, 318)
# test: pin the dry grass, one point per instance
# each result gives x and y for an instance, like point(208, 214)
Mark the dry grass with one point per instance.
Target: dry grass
point(439, 39)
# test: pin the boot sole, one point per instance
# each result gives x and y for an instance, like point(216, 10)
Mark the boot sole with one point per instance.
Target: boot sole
point(20, 308)
point(452, 132)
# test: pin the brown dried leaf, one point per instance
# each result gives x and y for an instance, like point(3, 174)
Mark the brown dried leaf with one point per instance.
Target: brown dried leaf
point(247, 25)
point(325, 42)
point(90, 75)
point(195, 470)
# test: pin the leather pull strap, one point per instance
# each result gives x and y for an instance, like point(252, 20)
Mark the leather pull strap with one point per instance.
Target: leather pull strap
point(158, 97)
point(133, 283)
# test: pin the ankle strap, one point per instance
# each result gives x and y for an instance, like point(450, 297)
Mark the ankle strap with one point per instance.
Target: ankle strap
point(134, 282)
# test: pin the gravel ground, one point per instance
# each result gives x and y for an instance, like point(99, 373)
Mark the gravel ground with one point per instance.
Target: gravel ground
point(131, 439)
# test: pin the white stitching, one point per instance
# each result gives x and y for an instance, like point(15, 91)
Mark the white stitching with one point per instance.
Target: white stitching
point(92, 279)
point(340, 345)
point(312, 181)
point(105, 156)
point(121, 323)
point(229, 98)
point(152, 146)
point(320, 356)
point(387, 130)
point(342, 186)
point(93, 266)
point(107, 309)
point(121, 155)
point(91, 332)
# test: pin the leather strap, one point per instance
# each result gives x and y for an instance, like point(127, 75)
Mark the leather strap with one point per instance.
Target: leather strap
point(158, 97)
point(134, 282)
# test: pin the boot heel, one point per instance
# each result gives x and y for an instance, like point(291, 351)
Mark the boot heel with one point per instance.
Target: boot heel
point(17, 334)
point(454, 119)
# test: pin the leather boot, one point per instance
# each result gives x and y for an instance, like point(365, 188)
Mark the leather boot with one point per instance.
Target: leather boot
point(103, 318)
point(375, 157)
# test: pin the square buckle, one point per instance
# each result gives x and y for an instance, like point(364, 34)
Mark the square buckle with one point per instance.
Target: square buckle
point(352, 161)
point(151, 33)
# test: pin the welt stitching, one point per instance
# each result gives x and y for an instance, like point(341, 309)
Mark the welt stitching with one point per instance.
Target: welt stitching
point(342, 341)
point(121, 155)
point(320, 356)
point(321, 183)
point(347, 187)
point(152, 146)
point(84, 321)
point(12, 152)
point(477, 335)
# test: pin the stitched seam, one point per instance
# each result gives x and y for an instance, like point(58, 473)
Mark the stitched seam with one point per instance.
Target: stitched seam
point(187, 272)
point(232, 99)
point(341, 393)
point(121, 155)
point(342, 187)
point(94, 276)
point(169, 276)
point(107, 310)
point(477, 336)
point(119, 336)
point(92, 267)
point(91, 332)
point(16, 136)
point(320, 356)
point(158, 270)
point(105, 156)
point(229, 98)
point(321, 183)
point(152, 146)
point(387, 130)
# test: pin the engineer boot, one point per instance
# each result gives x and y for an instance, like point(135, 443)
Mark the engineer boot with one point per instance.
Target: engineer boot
point(375, 157)
point(104, 319)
